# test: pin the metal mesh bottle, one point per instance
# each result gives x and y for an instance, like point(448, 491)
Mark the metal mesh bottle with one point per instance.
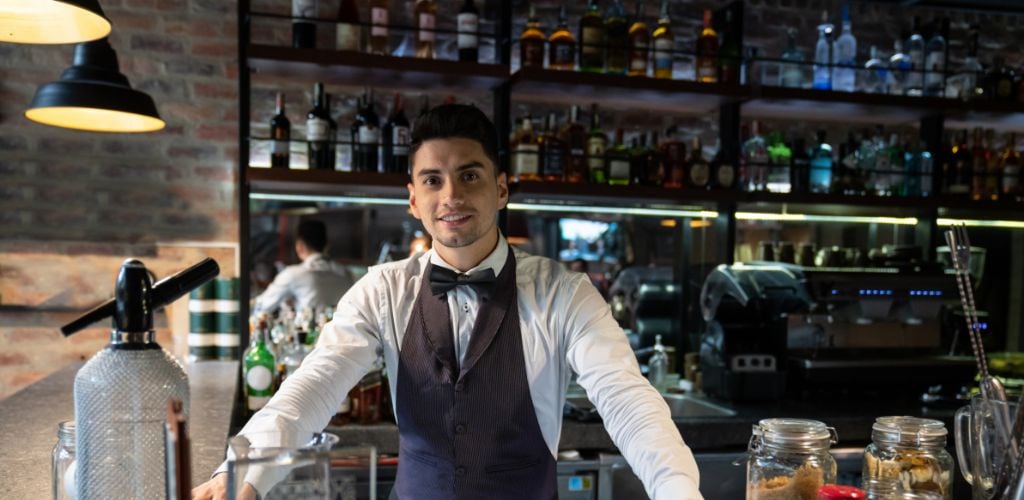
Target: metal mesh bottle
point(121, 398)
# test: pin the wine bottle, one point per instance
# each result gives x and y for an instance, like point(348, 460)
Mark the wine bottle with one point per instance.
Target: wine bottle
point(426, 19)
point(317, 130)
point(468, 28)
point(350, 34)
point(303, 29)
point(395, 135)
point(280, 134)
point(366, 137)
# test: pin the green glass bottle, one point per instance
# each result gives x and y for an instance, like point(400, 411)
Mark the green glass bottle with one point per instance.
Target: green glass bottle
point(597, 142)
point(259, 369)
point(591, 39)
point(618, 162)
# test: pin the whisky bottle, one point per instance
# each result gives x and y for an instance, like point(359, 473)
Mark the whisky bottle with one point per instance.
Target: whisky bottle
point(574, 134)
point(317, 131)
point(597, 143)
point(379, 27)
point(664, 44)
point(673, 157)
point(592, 39)
point(562, 45)
point(349, 31)
point(699, 171)
point(552, 151)
point(525, 153)
point(468, 39)
point(617, 36)
point(707, 52)
point(426, 20)
point(280, 134)
point(618, 161)
point(723, 168)
point(637, 159)
point(639, 42)
point(654, 168)
point(531, 42)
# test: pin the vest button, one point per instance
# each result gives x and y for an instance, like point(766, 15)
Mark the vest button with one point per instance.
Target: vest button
point(459, 429)
point(460, 471)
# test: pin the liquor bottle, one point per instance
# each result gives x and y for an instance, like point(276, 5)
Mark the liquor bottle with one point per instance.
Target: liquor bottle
point(591, 38)
point(999, 84)
point(349, 31)
point(875, 74)
point(878, 180)
point(779, 159)
point(617, 160)
point(791, 72)
point(723, 169)
point(935, 61)
point(979, 165)
point(280, 135)
point(468, 23)
point(844, 52)
point(800, 167)
point(729, 57)
point(531, 43)
point(664, 44)
point(525, 153)
point(562, 44)
point(379, 27)
point(637, 159)
point(698, 169)
point(574, 135)
point(365, 137)
point(304, 30)
point(897, 168)
point(707, 51)
point(964, 84)
point(318, 131)
point(993, 166)
point(1011, 168)
point(821, 165)
point(259, 369)
point(654, 168)
point(617, 38)
point(597, 143)
point(899, 69)
point(426, 20)
point(915, 49)
point(673, 157)
point(925, 166)
point(823, 56)
point(395, 135)
point(639, 42)
point(553, 151)
point(332, 136)
point(754, 160)
point(958, 167)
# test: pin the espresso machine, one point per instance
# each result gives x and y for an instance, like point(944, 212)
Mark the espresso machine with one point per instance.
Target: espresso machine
point(827, 331)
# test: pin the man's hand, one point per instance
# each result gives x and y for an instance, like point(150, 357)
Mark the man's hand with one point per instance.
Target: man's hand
point(217, 489)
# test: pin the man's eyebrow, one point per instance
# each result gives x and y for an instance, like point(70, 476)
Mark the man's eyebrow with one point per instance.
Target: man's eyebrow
point(470, 165)
point(434, 171)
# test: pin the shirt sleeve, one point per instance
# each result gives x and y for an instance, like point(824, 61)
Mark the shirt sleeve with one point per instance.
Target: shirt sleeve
point(634, 413)
point(277, 291)
point(346, 350)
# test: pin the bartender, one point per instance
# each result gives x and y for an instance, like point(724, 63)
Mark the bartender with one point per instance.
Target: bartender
point(315, 282)
point(479, 340)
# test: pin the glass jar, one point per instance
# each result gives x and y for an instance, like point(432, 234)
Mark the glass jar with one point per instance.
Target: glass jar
point(789, 459)
point(911, 451)
point(64, 462)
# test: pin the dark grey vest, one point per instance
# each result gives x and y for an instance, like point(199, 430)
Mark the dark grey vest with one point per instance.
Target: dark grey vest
point(473, 433)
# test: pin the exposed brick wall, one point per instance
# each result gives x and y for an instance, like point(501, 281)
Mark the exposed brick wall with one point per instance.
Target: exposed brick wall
point(73, 204)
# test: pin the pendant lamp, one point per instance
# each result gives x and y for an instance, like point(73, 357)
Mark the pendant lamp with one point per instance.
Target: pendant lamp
point(93, 95)
point(52, 21)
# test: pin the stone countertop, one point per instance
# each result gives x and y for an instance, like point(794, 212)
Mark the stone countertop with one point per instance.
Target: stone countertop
point(29, 418)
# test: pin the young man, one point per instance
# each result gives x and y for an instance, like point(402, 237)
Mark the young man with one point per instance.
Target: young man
point(480, 341)
point(315, 282)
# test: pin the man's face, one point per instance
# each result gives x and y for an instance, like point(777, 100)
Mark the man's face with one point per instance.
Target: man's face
point(455, 191)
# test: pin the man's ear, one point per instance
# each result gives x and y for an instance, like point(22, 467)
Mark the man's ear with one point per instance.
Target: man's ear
point(502, 190)
point(413, 209)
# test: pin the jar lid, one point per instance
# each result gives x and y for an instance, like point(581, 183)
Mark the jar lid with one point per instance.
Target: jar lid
point(909, 431)
point(793, 434)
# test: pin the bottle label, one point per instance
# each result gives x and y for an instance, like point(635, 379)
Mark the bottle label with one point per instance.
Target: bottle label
point(279, 147)
point(726, 175)
point(707, 71)
point(304, 8)
point(349, 37)
point(526, 159)
point(935, 65)
point(258, 378)
point(468, 24)
point(663, 53)
point(554, 161)
point(638, 58)
point(595, 153)
point(257, 402)
point(592, 42)
point(379, 18)
point(561, 54)
point(531, 53)
point(316, 129)
point(1011, 178)
point(699, 174)
point(618, 169)
point(368, 134)
point(426, 27)
point(400, 141)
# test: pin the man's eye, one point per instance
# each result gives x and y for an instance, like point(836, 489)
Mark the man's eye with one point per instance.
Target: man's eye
point(430, 181)
point(470, 176)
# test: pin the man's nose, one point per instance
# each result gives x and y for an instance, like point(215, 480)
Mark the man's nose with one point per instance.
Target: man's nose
point(452, 194)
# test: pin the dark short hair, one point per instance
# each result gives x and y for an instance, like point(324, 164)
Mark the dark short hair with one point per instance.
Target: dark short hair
point(456, 120)
point(313, 233)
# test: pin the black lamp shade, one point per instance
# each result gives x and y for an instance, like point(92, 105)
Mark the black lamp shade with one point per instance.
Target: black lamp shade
point(93, 95)
point(52, 21)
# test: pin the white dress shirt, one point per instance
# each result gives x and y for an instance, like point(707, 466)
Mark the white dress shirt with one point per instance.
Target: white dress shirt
point(566, 326)
point(315, 282)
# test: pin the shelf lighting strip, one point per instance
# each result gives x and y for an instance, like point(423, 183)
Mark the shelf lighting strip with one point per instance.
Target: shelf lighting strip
point(856, 219)
point(1006, 224)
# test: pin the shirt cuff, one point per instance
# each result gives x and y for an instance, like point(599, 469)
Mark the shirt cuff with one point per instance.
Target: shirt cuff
point(677, 488)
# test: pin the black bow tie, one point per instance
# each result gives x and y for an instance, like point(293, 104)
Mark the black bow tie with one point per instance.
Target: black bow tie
point(442, 280)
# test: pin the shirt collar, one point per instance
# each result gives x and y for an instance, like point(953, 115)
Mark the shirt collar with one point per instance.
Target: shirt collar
point(495, 261)
point(311, 257)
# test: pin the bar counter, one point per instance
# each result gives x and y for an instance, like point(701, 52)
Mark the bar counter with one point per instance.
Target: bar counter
point(29, 418)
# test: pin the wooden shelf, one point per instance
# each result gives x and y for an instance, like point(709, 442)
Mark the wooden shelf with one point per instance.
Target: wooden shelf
point(357, 68)
point(621, 92)
point(607, 195)
point(847, 107)
point(326, 182)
